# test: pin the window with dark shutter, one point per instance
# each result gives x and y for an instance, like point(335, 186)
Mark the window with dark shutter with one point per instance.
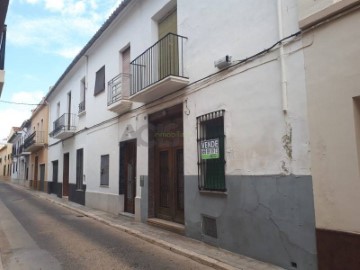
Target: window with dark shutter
point(99, 81)
point(104, 170)
point(211, 151)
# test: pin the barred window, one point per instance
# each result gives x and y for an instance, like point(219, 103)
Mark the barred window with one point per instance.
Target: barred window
point(211, 151)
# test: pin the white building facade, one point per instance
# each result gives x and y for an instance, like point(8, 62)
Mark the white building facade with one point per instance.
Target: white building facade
point(143, 123)
point(20, 158)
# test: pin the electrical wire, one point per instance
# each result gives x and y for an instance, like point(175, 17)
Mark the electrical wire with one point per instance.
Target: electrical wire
point(21, 103)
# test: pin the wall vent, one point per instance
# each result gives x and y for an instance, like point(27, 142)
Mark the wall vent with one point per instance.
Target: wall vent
point(209, 226)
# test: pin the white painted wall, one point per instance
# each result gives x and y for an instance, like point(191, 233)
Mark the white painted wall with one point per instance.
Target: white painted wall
point(333, 80)
point(250, 94)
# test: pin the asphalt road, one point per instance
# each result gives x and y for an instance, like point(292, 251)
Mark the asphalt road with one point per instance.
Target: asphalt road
point(35, 234)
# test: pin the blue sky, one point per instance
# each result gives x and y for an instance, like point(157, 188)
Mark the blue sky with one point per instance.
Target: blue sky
point(43, 36)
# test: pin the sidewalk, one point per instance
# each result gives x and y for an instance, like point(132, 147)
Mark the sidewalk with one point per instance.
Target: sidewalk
point(193, 249)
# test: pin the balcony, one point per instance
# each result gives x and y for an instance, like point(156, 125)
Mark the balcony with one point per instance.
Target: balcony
point(159, 71)
point(23, 151)
point(64, 126)
point(35, 141)
point(2, 56)
point(118, 93)
point(82, 107)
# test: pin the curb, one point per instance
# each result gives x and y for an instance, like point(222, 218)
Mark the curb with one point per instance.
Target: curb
point(1, 265)
point(202, 259)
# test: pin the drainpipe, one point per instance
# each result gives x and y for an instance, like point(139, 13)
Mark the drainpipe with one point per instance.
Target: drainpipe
point(86, 71)
point(282, 59)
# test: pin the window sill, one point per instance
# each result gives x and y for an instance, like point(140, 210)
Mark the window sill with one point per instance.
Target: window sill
point(104, 186)
point(212, 192)
point(81, 113)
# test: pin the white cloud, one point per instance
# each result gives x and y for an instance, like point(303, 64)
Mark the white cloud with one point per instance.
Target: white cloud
point(17, 118)
point(69, 52)
point(28, 97)
point(32, 1)
point(52, 35)
point(13, 115)
point(64, 30)
point(54, 5)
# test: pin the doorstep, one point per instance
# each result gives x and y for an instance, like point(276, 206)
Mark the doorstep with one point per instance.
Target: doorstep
point(167, 225)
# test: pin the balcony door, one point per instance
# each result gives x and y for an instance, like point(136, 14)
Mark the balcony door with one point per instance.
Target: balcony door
point(168, 47)
point(68, 119)
point(126, 70)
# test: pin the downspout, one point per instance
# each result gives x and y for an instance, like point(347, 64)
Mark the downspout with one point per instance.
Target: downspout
point(287, 138)
point(86, 71)
point(282, 59)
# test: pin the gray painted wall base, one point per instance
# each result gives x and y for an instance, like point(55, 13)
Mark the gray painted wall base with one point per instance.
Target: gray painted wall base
point(111, 203)
point(269, 218)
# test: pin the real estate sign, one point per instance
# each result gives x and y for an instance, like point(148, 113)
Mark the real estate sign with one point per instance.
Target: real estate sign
point(210, 149)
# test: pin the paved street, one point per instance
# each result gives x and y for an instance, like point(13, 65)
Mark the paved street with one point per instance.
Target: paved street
point(35, 234)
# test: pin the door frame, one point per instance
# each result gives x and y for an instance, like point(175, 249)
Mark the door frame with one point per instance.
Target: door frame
point(154, 181)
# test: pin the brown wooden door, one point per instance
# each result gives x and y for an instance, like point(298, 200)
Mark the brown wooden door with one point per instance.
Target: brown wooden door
point(42, 177)
point(169, 169)
point(36, 166)
point(129, 166)
point(66, 175)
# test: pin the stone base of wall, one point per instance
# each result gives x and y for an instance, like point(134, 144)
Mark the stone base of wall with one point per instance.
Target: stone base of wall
point(111, 203)
point(55, 188)
point(270, 218)
point(338, 250)
point(76, 195)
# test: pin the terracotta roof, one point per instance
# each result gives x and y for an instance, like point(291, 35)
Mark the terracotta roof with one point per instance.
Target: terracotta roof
point(16, 129)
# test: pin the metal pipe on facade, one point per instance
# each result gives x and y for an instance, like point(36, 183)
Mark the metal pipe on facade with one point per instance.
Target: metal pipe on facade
point(282, 58)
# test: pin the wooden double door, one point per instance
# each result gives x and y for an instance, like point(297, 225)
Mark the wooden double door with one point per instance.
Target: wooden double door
point(169, 166)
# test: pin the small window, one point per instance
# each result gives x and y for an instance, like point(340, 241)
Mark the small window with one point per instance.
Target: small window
point(99, 81)
point(211, 151)
point(104, 170)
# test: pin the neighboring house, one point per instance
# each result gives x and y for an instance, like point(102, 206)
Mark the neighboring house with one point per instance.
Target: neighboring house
point(332, 62)
point(16, 139)
point(143, 124)
point(3, 10)
point(35, 143)
point(5, 161)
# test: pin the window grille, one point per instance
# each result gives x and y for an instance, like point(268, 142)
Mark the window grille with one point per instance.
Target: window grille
point(211, 151)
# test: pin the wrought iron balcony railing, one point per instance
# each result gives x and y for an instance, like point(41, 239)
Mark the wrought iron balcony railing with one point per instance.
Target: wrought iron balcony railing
point(118, 88)
point(82, 106)
point(164, 58)
point(66, 122)
point(37, 137)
